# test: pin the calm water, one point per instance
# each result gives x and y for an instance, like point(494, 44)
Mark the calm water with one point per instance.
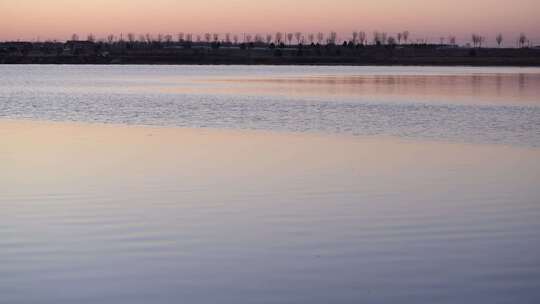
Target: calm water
point(476, 105)
point(381, 185)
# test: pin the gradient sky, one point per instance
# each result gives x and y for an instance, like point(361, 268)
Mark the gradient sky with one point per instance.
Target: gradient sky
point(58, 19)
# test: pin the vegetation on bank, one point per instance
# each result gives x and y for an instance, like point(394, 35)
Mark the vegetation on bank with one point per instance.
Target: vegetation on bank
point(281, 48)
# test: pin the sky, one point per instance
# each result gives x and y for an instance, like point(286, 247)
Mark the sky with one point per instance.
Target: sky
point(431, 19)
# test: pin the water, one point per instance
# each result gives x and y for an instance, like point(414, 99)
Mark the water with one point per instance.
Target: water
point(167, 184)
point(474, 105)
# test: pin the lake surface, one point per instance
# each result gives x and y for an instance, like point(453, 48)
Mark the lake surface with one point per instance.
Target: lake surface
point(475, 105)
point(183, 184)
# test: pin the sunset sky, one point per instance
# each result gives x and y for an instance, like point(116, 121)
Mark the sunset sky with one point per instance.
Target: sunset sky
point(58, 19)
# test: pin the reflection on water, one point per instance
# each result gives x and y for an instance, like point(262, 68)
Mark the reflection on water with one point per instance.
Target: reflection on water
point(117, 214)
point(505, 89)
point(473, 105)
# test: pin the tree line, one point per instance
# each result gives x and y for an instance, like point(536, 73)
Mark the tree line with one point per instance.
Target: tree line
point(298, 38)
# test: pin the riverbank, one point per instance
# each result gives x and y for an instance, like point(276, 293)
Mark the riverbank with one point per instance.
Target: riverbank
point(267, 55)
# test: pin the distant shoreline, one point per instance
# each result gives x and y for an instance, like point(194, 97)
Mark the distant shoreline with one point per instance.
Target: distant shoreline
point(288, 63)
point(84, 52)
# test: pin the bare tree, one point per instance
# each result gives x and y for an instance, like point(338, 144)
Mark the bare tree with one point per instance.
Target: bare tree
point(289, 37)
point(110, 38)
point(215, 37)
point(379, 38)
point(399, 37)
point(406, 36)
point(384, 37)
point(298, 36)
point(207, 37)
point(362, 37)
point(311, 38)
point(228, 37)
point(180, 37)
point(75, 37)
point(391, 41)
point(189, 37)
point(522, 39)
point(248, 38)
point(499, 39)
point(279, 37)
point(452, 40)
point(477, 40)
point(131, 37)
point(320, 37)
point(168, 38)
point(332, 38)
point(91, 37)
point(354, 37)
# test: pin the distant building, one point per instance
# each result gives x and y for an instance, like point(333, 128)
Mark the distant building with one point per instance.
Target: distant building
point(16, 47)
point(76, 47)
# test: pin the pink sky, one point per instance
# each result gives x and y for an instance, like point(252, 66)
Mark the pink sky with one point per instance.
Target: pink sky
point(58, 19)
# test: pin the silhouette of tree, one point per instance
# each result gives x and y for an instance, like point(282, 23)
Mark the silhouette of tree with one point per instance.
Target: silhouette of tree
point(362, 37)
point(215, 37)
point(452, 40)
point(289, 37)
point(377, 38)
point(399, 37)
point(207, 37)
point(180, 37)
point(477, 40)
point(311, 38)
point(298, 36)
point(189, 37)
point(406, 36)
point(168, 39)
point(332, 38)
point(91, 37)
point(320, 37)
point(131, 37)
point(279, 37)
point(391, 41)
point(354, 37)
point(110, 38)
point(228, 37)
point(248, 38)
point(522, 40)
point(75, 37)
point(499, 39)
